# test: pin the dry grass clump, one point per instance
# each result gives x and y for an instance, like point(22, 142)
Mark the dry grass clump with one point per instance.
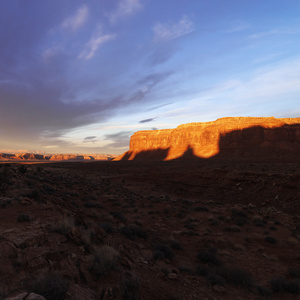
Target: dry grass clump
point(130, 286)
point(280, 284)
point(162, 251)
point(133, 232)
point(105, 259)
point(63, 226)
point(51, 285)
point(23, 218)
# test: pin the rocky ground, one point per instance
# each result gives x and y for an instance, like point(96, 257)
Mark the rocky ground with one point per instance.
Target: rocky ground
point(150, 230)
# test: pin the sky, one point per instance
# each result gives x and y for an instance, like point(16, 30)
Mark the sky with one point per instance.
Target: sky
point(82, 76)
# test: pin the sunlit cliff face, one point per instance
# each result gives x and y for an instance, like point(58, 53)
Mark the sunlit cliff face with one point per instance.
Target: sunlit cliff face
point(227, 136)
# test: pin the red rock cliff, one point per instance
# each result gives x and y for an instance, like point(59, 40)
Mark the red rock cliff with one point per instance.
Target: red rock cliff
point(226, 137)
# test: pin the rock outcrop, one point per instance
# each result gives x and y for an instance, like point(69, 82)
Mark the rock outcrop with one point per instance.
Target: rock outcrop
point(236, 137)
point(54, 157)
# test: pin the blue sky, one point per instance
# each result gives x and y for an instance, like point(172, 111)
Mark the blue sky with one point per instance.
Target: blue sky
point(83, 76)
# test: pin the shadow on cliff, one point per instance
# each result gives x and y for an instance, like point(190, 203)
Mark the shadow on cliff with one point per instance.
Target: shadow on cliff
point(257, 142)
point(157, 154)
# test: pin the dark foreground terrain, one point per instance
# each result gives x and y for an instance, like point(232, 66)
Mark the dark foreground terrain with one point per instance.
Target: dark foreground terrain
point(150, 230)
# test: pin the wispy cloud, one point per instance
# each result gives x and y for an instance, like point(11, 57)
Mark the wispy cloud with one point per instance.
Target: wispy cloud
point(94, 43)
point(77, 20)
point(147, 120)
point(90, 139)
point(120, 139)
point(125, 8)
point(238, 26)
point(271, 32)
point(268, 87)
point(159, 106)
point(49, 53)
point(170, 31)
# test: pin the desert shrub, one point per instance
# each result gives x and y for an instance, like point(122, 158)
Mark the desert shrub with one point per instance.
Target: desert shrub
point(180, 215)
point(130, 287)
point(238, 213)
point(5, 177)
point(294, 272)
point(157, 255)
point(162, 251)
point(280, 284)
point(209, 257)
point(263, 291)
point(270, 239)
point(63, 226)
point(52, 286)
point(48, 189)
point(92, 205)
point(186, 269)
point(239, 221)
point(39, 169)
point(202, 270)
point(118, 215)
point(2, 293)
point(35, 195)
point(4, 202)
point(176, 245)
point(86, 236)
point(107, 227)
point(236, 276)
point(232, 229)
point(292, 286)
point(22, 169)
point(259, 222)
point(277, 284)
point(23, 218)
point(201, 208)
point(216, 279)
point(133, 232)
point(190, 226)
point(221, 218)
point(273, 228)
point(105, 259)
point(239, 217)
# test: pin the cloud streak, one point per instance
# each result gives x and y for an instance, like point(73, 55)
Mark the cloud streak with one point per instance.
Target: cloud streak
point(171, 31)
point(94, 43)
point(77, 20)
point(125, 9)
point(147, 120)
point(90, 139)
point(120, 139)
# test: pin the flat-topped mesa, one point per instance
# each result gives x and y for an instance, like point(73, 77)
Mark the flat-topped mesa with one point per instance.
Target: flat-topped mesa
point(234, 137)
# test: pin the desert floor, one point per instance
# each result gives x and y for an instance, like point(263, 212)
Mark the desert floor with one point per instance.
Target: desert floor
point(150, 230)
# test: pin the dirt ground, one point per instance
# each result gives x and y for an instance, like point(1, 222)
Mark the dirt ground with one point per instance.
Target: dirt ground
point(150, 230)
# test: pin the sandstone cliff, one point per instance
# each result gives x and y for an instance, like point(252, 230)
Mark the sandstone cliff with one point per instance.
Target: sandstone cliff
point(247, 137)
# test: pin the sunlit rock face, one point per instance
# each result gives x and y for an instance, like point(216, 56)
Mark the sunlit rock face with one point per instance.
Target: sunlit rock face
point(247, 137)
point(54, 157)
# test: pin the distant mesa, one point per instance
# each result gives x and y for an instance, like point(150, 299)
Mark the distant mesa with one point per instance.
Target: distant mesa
point(54, 157)
point(231, 138)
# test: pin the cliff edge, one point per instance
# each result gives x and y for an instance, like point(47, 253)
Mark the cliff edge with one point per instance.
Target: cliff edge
point(232, 137)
